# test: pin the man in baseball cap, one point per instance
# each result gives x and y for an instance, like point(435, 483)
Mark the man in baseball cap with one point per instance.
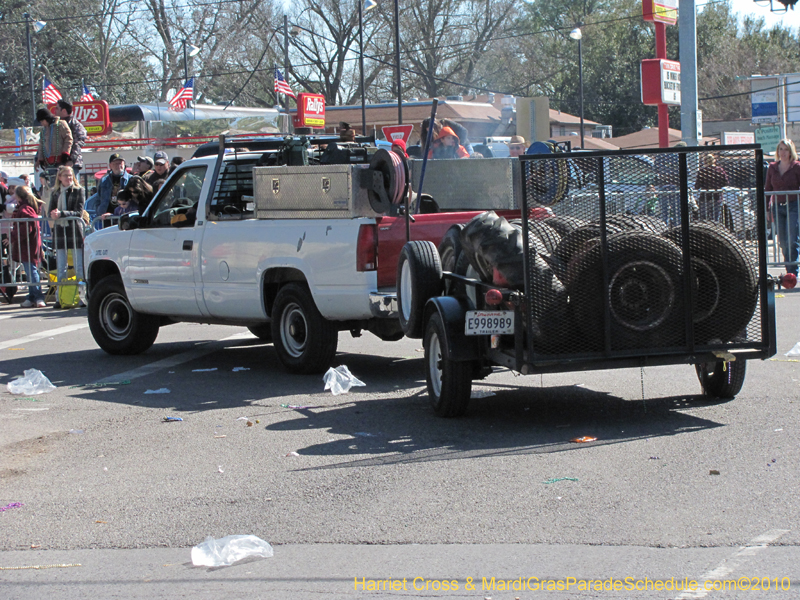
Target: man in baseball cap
point(160, 168)
point(105, 200)
point(159, 155)
point(142, 165)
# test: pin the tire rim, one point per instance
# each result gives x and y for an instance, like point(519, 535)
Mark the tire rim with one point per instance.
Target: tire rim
point(641, 295)
point(294, 330)
point(405, 291)
point(435, 364)
point(706, 290)
point(116, 316)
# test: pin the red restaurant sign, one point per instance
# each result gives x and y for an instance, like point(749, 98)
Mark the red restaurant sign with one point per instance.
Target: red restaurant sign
point(93, 115)
point(660, 11)
point(310, 111)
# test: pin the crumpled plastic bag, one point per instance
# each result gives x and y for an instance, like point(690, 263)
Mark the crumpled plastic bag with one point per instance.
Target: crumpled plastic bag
point(794, 351)
point(340, 380)
point(33, 382)
point(228, 550)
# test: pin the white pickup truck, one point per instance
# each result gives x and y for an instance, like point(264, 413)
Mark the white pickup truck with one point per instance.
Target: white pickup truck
point(240, 238)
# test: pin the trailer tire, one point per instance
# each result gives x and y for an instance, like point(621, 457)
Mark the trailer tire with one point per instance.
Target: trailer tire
point(449, 382)
point(722, 380)
point(638, 223)
point(542, 232)
point(644, 292)
point(578, 240)
point(116, 327)
point(725, 282)
point(304, 340)
point(419, 278)
point(262, 332)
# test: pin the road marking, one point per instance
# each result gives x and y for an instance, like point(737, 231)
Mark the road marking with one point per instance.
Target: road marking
point(42, 334)
point(729, 565)
point(6, 317)
point(176, 360)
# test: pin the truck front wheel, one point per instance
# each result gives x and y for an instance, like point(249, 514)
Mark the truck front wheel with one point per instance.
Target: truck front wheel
point(449, 382)
point(304, 340)
point(115, 326)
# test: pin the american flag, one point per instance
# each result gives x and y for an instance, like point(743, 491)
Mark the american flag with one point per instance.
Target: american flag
point(87, 95)
point(281, 87)
point(50, 94)
point(186, 93)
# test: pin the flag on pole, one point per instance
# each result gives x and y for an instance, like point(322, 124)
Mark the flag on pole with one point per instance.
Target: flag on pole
point(183, 95)
point(50, 93)
point(281, 87)
point(87, 95)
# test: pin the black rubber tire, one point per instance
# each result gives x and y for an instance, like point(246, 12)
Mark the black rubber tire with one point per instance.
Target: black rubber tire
point(450, 248)
point(722, 380)
point(115, 326)
point(638, 223)
point(543, 232)
point(645, 293)
point(725, 282)
point(491, 242)
point(563, 225)
point(262, 332)
point(304, 340)
point(579, 239)
point(449, 382)
point(419, 278)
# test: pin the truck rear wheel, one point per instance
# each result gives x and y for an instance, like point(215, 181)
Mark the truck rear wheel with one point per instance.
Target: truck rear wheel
point(419, 278)
point(449, 382)
point(722, 380)
point(262, 332)
point(304, 340)
point(115, 326)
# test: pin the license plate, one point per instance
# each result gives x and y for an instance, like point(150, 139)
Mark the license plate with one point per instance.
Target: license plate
point(489, 322)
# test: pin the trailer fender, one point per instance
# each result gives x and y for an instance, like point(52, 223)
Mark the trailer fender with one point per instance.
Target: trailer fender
point(453, 312)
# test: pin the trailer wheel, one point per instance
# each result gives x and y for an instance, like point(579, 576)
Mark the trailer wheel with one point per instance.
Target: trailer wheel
point(115, 326)
point(304, 340)
point(419, 278)
point(262, 332)
point(722, 380)
point(449, 382)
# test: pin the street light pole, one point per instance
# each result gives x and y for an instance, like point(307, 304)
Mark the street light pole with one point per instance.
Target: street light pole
point(286, 58)
point(576, 34)
point(30, 64)
point(397, 61)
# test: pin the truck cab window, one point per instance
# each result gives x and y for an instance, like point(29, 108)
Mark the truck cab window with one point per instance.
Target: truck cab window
point(176, 203)
point(233, 198)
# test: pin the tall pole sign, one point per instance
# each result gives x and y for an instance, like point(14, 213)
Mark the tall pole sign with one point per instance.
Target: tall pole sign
point(662, 13)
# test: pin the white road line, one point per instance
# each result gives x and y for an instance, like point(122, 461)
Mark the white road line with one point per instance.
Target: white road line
point(6, 317)
point(42, 334)
point(729, 565)
point(173, 361)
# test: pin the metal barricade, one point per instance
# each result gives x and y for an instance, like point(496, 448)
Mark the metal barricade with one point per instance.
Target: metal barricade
point(784, 229)
point(59, 254)
point(103, 221)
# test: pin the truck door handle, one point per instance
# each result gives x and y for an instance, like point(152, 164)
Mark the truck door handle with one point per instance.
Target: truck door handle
point(187, 244)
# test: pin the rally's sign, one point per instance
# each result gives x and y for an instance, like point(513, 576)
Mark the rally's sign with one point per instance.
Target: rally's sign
point(661, 81)
point(310, 111)
point(660, 11)
point(93, 115)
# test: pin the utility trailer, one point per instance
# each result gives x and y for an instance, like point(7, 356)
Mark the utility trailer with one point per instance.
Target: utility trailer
point(604, 287)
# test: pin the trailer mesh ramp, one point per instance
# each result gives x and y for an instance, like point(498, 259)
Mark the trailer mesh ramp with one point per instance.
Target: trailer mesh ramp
point(643, 252)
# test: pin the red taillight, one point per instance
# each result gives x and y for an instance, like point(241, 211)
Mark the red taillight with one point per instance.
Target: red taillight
point(367, 249)
point(493, 297)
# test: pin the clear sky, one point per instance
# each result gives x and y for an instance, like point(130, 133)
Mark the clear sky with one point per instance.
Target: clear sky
point(790, 18)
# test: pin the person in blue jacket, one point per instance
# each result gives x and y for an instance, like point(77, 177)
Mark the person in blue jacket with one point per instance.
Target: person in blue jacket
point(105, 200)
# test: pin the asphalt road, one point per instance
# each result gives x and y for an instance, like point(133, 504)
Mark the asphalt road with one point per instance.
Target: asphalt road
point(371, 484)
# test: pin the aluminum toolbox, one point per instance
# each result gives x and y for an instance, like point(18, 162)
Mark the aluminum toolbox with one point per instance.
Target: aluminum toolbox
point(312, 192)
point(490, 183)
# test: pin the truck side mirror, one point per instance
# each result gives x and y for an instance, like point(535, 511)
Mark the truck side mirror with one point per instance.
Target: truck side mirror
point(130, 221)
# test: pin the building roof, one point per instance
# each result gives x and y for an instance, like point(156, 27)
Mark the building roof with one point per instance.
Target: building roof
point(647, 138)
point(413, 112)
point(557, 116)
point(590, 143)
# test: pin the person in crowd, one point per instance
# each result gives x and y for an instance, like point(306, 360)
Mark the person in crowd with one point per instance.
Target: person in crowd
point(160, 169)
point(67, 200)
point(346, 133)
point(142, 165)
point(784, 175)
point(55, 141)
point(447, 145)
point(517, 146)
point(63, 110)
point(710, 177)
point(137, 193)
point(105, 200)
point(176, 160)
point(3, 182)
point(399, 147)
point(460, 131)
point(26, 243)
point(27, 182)
point(668, 179)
